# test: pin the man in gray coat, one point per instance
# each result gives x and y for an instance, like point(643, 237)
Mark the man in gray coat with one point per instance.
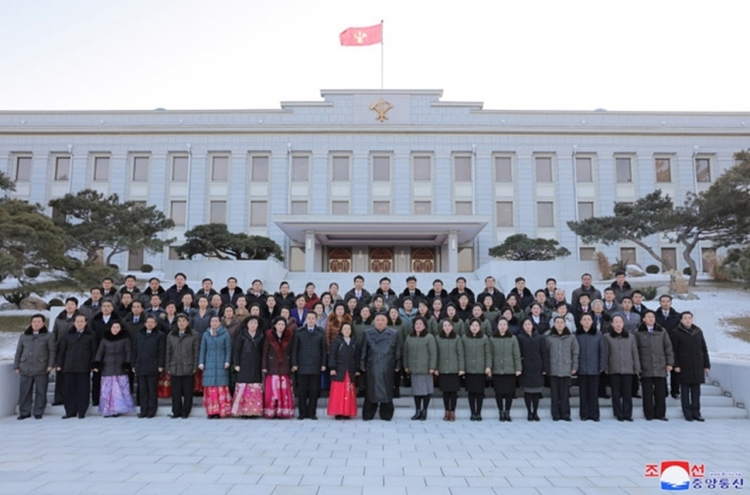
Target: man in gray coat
point(564, 353)
point(657, 360)
point(35, 358)
point(381, 355)
point(309, 361)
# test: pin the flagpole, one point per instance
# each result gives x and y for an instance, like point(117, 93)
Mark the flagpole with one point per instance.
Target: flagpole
point(381, 54)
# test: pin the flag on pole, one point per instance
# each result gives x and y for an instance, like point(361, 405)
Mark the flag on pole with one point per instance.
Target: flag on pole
point(362, 36)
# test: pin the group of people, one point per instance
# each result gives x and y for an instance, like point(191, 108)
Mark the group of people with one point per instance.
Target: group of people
point(248, 352)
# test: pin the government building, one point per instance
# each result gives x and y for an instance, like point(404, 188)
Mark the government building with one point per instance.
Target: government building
point(375, 180)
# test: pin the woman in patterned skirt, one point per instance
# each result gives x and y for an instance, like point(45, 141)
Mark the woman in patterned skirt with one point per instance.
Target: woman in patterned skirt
point(278, 399)
point(248, 354)
point(215, 356)
point(342, 361)
point(114, 362)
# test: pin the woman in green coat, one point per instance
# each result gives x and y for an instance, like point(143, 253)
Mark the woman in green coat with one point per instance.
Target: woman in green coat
point(451, 314)
point(423, 310)
point(491, 313)
point(420, 361)
point(478, 366)
point(506, 366)
point(477, 311)
point(451, 364)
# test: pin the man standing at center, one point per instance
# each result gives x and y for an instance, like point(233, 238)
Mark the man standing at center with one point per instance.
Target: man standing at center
point(309, 360)
point(381, 355)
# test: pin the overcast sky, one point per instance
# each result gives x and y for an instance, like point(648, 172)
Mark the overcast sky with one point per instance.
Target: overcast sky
point(519, 54)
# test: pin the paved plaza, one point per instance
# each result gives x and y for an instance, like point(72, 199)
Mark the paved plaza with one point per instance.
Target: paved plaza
point(326, 457)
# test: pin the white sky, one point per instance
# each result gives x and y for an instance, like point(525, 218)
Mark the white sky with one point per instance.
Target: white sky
point(518, 54)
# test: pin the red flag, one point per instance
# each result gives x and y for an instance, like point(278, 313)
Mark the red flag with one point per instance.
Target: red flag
point(362, 36)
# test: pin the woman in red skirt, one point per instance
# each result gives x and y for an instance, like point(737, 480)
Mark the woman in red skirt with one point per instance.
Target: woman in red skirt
point(278, 398)
point(342, 361)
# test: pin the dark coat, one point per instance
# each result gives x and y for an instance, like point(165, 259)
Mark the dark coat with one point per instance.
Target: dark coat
point(343, 358)
point(182, 353)
point(149, 352)
point(654, 350)
point(231, 300)
point(622, 292)
point(381, 355)
point(592, 358)
point(113, 357)
point(287, 300)
point(145, 296)
point(62, 325)
point(418, 296)
point(498, 298)
point(199, 323)
point(75, 352)
point(99, 327)
point(525, 299)
point(248, 355)
point(431, 297)
point(542, 327)
point(215, 353)
point(454, 295)
point(88, 309)
point(35, 353)
point(670, 322)
point(690, 354)
point(175, 295)
point(132, 327)
point(592, 292)
point(253, 299)
point(310, 350)
point(208, 295)
point(277, 356)
point(365, 298)
point(390, 297)
point(534, 357)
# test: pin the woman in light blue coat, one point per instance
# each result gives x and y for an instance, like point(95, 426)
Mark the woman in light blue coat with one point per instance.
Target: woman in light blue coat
point(214, 360)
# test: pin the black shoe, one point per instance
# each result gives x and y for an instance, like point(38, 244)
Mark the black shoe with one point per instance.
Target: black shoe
point(57, 403)
point(629, 420)
point(175, 416)
point(423, 414)
point(473, 417)
point(689, 418)
point(23, 416)
point(81, 416)
point(536, 417)
point(637, 396)
point(479, 417)
point(675, 396)
point(530, 417)
point(37, 416)
point(567, 419)
point(68, 416)
point(417, 415)
point(699, 418)
point(664, 419)
point(555, 419)
point(595, 420)
point(621, 420)
point(314, 418)
point(507, 416)
point(141, 415)
point(396, 393)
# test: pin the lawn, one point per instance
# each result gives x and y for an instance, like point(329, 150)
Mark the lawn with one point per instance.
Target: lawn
point(740, 327)
point(14, 323)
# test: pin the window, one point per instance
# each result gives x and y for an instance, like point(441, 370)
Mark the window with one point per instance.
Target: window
point(504, 214)
point(703, 170)
point(545, 213)
point(586, 253)
point(585, 210)
point(381, 168)
point(623, 170)
point(464, 208)
point(299, 207)
point(670, 256)
point(300, 170)
point(663, 169)
point(23, 169)
point(462, 168)
point(173, 255)
point(259, 172)
point(258, 213)
point(178, 212)
point(101, 168)
point(627, 255)
point(422, 168)
point(180, 169)
point(218, 212)
point(543, 168)
point(62, 168)
point(220, 168)
point(503, 169)
point(135, 259)
point(422, 207)
point(584, 170)
point(140, 169)
point(340, 207)
point(340, 168)
point(381, 207)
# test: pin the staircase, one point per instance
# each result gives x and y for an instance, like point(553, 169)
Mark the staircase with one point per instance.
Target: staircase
point(715, 404)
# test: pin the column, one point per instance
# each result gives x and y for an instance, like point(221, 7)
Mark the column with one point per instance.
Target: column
point(309, 251)
point(453, 251)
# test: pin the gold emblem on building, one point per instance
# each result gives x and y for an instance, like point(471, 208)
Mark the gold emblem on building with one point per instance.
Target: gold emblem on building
point(381, 107)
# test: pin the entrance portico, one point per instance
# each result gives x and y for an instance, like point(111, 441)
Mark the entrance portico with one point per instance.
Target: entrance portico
point(381, 243)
